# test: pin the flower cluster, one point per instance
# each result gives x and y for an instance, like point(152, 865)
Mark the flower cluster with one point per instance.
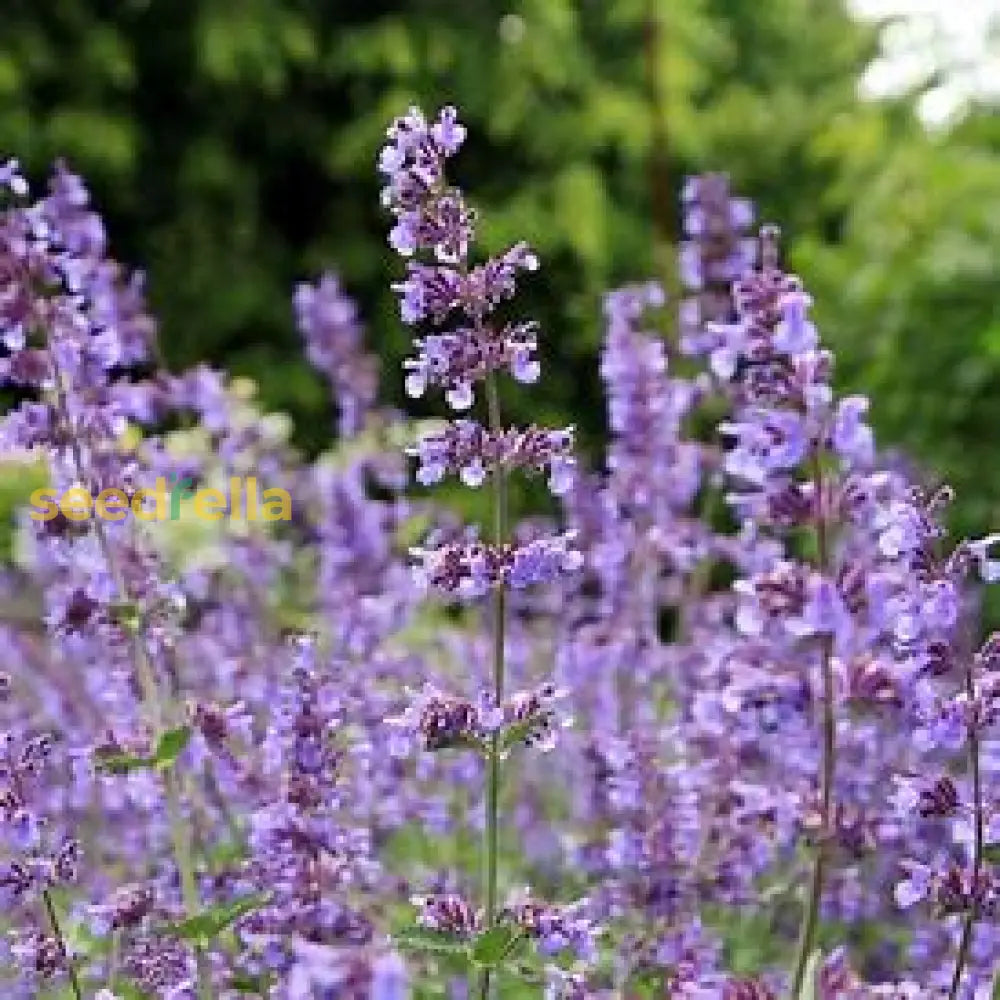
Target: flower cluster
point(470, 450)
point(38, 859)
point(554, 927)
point(473, 569)
point(441, 721)
point(222, 773)
point(448, 913)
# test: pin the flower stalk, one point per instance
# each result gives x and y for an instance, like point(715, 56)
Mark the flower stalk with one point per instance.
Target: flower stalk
point(57, 931)
point(829, 760)
point(492, 833)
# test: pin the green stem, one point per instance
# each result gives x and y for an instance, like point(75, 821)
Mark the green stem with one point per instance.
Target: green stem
point(492, 834)
point(828, 768)
point(115, 959)
point(968, 925)
point(50, 909)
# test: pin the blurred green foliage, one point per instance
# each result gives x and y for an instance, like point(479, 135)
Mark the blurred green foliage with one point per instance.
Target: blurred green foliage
point(231, 145)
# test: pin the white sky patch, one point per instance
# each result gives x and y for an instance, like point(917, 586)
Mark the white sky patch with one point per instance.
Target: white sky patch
point(960, 39)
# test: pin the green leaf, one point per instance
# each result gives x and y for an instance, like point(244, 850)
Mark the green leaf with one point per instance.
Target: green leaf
point(128, 991)
point(243, 983)
point(208, 924)
point(120, 763)
point(522, 732)
point(423, 940)
point(494, 945)
point(127, 614)
point(170, 746)
point(991, 853)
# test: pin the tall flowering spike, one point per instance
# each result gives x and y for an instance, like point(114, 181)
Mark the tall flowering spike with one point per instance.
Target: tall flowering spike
point(447, 291)
point(328, 321)
point(71, 322)
point(791, 447)
point(299, 846)
point(654, 473)
point(717, 251)
point(432, 218)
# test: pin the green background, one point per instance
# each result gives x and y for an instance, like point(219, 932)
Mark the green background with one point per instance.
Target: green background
point(230, 145)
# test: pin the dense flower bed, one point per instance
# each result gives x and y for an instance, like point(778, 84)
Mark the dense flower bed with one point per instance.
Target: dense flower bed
point(716, 725)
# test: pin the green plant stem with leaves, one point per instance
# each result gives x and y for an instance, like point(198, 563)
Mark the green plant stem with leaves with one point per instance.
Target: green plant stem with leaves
point(492, 833)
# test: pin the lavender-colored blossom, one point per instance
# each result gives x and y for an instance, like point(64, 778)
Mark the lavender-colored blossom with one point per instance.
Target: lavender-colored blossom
point(471, 450)
point(328, 320)
point(472, 569)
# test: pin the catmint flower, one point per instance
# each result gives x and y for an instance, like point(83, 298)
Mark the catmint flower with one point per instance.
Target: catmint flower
point(472, 569)
point(161, 965)
point(428, 214)
point(455, 360)
point(747, 989)
point(938, 798)
point(949, 889)
point(441, 721)
point(433, 291)
point(554, 928)
point(448, 913)
point(12, 178)
point(989, 568)
point(852, 439)
point(40, 955)
point(470, 450)
point(128, 906)
point(535, 713)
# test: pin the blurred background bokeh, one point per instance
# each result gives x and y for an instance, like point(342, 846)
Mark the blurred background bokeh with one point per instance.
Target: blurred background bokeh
point(230, 145)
